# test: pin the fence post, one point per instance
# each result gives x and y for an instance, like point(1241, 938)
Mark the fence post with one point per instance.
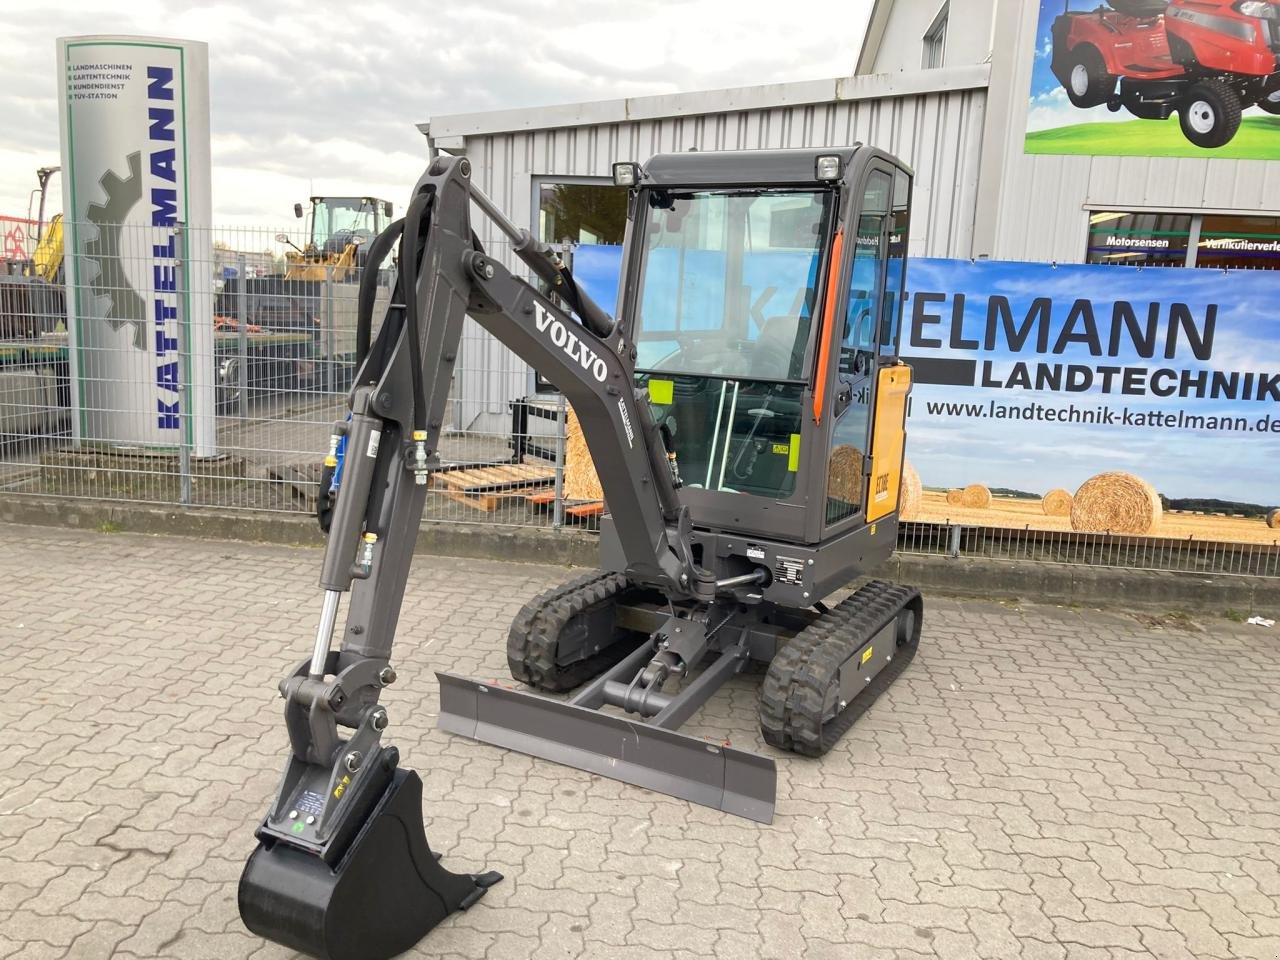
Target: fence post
point(185, 423)
point(242, 322)
point(557, 515)
point(329, 338)
point(953, 541)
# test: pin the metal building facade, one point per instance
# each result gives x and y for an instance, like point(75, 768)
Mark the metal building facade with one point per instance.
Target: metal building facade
point(935, 122)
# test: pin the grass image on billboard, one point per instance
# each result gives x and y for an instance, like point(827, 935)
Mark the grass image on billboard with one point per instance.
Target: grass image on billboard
point(1258, 139)
point(1155, 78)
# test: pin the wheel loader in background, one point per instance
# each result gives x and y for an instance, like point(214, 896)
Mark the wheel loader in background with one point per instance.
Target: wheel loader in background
point(746, 415)
point(337, 228)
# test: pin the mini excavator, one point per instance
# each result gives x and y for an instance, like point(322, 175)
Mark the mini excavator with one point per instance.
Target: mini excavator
point(746, 415)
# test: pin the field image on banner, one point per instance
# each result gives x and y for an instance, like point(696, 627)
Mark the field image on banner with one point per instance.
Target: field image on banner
point(1156, 78)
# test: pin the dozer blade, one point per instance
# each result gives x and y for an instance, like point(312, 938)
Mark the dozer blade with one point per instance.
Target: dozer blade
point(690, 768)
point(370, 900)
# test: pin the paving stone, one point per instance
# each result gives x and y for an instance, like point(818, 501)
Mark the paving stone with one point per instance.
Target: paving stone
point(1044, 784)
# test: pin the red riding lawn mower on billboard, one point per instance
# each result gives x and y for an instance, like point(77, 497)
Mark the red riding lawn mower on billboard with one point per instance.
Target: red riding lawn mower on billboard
point(1208, 60)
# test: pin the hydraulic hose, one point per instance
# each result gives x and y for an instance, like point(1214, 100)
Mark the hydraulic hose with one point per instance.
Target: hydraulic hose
point(368, 290)
point(409, 269)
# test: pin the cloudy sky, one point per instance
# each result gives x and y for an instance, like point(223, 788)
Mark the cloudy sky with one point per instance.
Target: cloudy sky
point(324, 96)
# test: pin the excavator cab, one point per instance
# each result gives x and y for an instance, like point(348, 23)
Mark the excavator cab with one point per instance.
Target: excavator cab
point(745, 412)
point(756, 308)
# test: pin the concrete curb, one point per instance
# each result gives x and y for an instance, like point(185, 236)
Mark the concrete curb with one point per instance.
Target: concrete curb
point(1037, 582)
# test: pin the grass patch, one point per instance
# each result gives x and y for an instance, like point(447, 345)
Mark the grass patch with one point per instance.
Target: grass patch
point(1258, 139)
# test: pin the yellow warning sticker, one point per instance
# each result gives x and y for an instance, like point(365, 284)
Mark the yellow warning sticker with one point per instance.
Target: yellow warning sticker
point(793, 455)
point(781, 448)
point(866, 654)
point(662, 391)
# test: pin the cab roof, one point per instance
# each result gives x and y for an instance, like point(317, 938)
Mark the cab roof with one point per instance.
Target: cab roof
point(742, 167)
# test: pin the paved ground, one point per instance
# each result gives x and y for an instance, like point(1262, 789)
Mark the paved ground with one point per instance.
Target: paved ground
point(1042, 783)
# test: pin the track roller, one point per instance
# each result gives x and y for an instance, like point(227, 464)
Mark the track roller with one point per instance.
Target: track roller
point(834, 669)
point(568, 634)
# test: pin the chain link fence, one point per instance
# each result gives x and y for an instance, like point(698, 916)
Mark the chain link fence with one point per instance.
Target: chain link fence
point(210, 377)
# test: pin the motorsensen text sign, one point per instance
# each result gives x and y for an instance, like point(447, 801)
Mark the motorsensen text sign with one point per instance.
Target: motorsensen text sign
point(135, 148)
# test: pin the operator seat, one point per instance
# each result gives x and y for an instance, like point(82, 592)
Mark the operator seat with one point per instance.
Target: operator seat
point(771, 358)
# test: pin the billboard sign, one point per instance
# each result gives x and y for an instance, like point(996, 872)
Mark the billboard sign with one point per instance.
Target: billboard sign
point(1156, 78)
point(17, 238)
point(134, 116)
point(1033, 377)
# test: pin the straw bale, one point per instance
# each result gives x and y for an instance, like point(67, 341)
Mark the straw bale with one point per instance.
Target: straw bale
point(1116, 502)
point(975, 496)
point(844, 474)
point(1057, 503)
point(580, 479)
point(955, 498)
point(910, 493)
point(1273, 519)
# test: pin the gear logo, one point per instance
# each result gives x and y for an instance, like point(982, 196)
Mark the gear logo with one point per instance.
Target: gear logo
point(113, 297)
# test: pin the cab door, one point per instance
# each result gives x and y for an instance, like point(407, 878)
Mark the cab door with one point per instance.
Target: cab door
point(857, 347)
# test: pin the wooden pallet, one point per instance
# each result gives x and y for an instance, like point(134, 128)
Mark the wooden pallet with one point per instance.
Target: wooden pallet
point(301, 480)
point(484, 488)
point(581, 509)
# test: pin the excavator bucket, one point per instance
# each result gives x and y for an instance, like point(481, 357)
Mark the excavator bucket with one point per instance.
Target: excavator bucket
point(700, 771)
point(369, 896)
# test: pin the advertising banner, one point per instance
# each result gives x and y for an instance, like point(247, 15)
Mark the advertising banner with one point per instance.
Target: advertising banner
point(17, 238)
point(1156, 78)
point(134, 115)
point(1032, 378)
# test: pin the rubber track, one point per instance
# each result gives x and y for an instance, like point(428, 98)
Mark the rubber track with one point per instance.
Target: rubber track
point(534, 637)
point(794, 691)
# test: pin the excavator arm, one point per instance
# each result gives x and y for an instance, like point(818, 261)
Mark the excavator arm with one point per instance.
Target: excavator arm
point(327, 847)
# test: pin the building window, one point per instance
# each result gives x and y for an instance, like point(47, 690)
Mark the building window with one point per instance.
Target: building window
point(1209, 241)
point(585, 219)
point(1241, 243)
point(935, 39)
point(1139, 239)
point(575, 213)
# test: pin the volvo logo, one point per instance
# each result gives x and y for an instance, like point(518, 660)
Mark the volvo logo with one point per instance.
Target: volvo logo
point(568, 341)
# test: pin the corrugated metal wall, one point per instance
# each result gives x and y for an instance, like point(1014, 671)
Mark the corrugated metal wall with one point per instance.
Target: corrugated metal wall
point(939, 134)
point(1044, 199)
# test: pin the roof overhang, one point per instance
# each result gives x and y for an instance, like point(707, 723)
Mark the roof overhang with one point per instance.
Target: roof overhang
point(450, 130)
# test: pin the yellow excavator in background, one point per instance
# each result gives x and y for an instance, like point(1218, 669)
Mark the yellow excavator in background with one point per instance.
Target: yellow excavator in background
point(338, 228)
point(31, 290)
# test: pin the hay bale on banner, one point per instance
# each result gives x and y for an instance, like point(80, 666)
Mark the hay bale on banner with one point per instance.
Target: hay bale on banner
point(955, 497)
point(1116, 502)
point(910, 492)
point(580, 479)
point(975, 496)
point(1056, 503)
point(1273, 519)
point(844, 474)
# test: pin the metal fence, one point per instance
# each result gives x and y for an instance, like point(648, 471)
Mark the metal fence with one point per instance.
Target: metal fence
point(213, 379)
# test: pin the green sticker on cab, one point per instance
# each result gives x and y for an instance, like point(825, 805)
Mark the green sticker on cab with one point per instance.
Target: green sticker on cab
point(661, 391)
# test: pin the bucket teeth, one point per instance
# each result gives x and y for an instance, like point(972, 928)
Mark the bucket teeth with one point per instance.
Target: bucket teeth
point(371, 901)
